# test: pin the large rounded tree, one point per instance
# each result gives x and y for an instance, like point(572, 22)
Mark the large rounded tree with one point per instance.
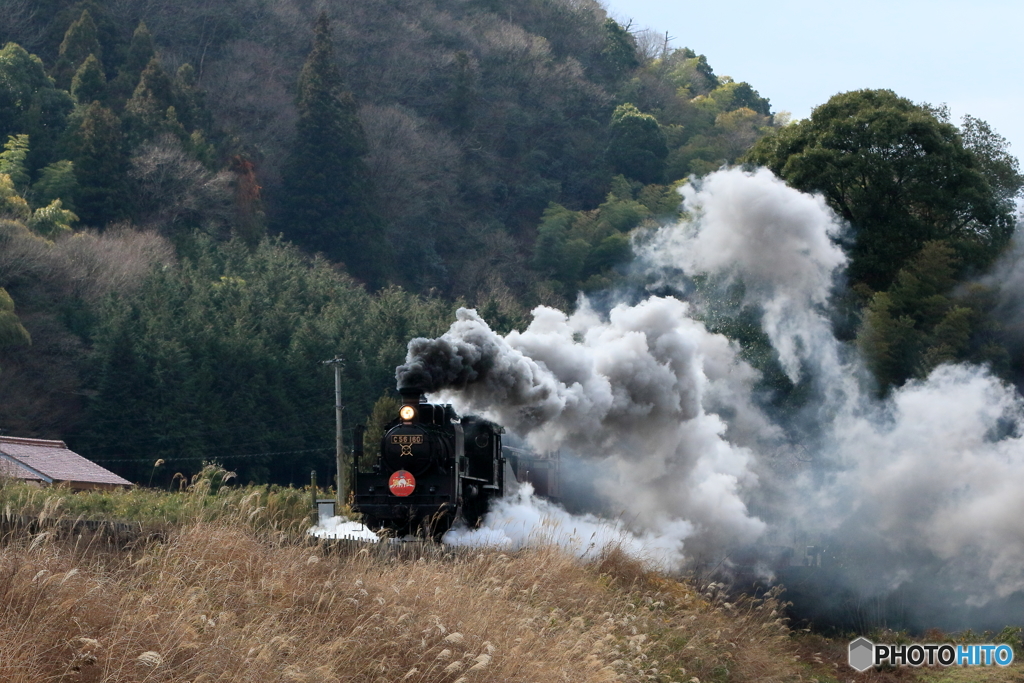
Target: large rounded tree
point(636, 146)
point(899, 174)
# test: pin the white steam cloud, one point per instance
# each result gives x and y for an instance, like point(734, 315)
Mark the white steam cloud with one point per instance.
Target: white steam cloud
point(936, 471)
point(921, 487)
point(633, 391)
point(753, 228)
point(521, 520)
point(341, 527)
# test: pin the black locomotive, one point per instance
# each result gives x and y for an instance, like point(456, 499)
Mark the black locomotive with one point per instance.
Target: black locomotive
point(434, 469)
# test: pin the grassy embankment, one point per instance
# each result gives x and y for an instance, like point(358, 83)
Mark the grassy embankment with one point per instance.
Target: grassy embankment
point(229, 589)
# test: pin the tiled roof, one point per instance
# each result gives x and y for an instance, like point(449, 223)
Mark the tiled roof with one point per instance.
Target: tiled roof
point(54, 461)
point(10, 468)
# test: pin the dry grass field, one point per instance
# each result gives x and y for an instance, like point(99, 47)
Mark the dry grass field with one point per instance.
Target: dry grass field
point(215, 602)
point(224, 598)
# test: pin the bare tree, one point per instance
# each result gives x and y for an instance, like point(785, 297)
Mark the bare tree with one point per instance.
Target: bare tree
point(413, 164)
point(18, 24)
point(23, 255)
point(172, 188)
point(650, 44)
point(250, 94)
point(93, 265)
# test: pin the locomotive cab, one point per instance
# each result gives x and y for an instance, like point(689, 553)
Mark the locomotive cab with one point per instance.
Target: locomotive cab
point(434, 469)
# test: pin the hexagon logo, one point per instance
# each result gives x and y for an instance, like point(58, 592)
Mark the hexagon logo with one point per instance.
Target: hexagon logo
point(862, 654)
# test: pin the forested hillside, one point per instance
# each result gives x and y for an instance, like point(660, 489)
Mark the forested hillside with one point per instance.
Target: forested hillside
point(462, 120)
point(199, 201)
point(412, 155)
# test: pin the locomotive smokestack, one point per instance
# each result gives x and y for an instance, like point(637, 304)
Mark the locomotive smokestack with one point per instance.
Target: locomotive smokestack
point(412, 385)
point(411, 395)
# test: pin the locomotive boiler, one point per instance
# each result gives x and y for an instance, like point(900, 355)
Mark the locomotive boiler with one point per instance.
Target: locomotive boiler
point(435, 468)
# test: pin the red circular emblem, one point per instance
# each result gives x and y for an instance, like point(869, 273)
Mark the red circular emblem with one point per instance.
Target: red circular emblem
point(402, 483)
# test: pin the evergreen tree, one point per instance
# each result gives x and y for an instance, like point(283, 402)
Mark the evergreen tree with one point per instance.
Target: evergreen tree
point(80, 41)
point(95, 148)
point(991, 150)
point(703, 69)
point(923, 321)
point(45, 122)
point(21, 77)
point(327, 204)
point(189, 99)
point(146, 113)
point(56, 181)
point(140, 53)
point(89, 83)
point(618, 56)
point(119, 413)
point(30, 104)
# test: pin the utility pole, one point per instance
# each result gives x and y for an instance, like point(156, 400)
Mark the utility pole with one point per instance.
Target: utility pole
point(340, 483)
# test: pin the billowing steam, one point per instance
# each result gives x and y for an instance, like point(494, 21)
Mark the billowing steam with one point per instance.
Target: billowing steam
point(921, 488)
point(755, 229)
point(936, 471)
point(520, 520)
point(631, 390)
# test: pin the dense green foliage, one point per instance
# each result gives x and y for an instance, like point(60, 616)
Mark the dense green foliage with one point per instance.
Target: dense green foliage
point(581, 250)
point(414, 155)
point(921, 321)
point(636, 147)
point(219, 360)
point(327, 200)
point(929, 206)
point(215, 357)
point(899, 174)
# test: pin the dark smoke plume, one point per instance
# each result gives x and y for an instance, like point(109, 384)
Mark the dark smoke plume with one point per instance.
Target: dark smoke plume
point(469, 353)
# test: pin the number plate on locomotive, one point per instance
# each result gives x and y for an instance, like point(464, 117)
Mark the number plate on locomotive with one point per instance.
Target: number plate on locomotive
point(406, 442)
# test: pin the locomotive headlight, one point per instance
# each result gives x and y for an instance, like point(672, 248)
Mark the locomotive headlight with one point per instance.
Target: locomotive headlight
point(407, 413)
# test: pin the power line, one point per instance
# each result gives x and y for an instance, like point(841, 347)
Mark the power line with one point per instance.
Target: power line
point(307, 429)
point(217, 457)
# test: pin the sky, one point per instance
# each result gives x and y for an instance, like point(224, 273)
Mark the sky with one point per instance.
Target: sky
point(798, 53)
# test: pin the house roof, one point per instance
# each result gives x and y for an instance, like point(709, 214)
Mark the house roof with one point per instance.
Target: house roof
point(52, 461)
point(14, 470)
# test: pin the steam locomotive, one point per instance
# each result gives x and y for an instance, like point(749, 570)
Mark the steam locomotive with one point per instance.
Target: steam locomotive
point(434, 469)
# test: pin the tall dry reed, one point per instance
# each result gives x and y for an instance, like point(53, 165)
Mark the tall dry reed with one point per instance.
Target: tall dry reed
point(215, 601)
point(221, 598)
